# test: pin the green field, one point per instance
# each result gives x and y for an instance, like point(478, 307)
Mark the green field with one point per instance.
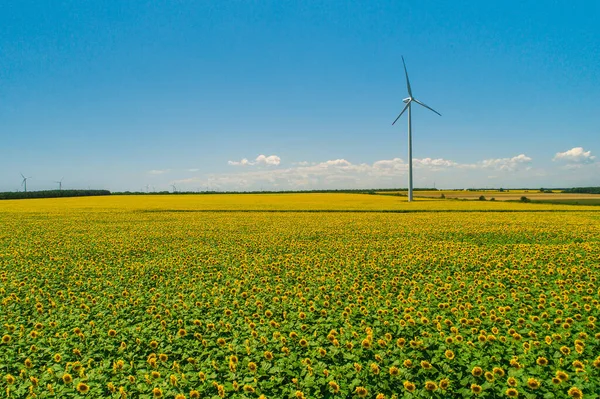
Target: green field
point(194, 297)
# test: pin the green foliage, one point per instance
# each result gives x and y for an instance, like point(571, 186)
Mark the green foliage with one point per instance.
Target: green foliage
point(52, 194)
point(583, 190)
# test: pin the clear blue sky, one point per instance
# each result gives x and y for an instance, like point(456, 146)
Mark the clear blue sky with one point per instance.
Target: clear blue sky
point(121, 95)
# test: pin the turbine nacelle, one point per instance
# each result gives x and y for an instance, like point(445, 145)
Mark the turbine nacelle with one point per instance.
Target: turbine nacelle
point(407, 100)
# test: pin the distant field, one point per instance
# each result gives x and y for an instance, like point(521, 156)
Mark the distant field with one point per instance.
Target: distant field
point(512, 195)
point(274, 202)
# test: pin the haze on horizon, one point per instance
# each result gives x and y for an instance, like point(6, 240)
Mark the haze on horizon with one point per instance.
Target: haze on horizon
point(298, 95)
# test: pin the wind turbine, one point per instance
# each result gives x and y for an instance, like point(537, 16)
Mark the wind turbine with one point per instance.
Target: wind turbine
point(174, 188)
point(408, 101)
point(24, 182)
point(59, 183)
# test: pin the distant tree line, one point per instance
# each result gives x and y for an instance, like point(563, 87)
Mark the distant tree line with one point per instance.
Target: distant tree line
point(52, 194)
point(349, 191)
point(583, 190)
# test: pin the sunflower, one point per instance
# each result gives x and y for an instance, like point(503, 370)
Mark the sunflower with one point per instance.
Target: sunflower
point(542, 361)
point(409, 386)
point(67, 378)
point(476, 389)
point(163, 357)
point(82, 388)
point(562, 376)
point(334, 386)
point(112, 333)
point(361, 392)
point(157, 393)
point(444, 383)
point(252, 366)
point(533, 383)
point(394, 371)
point(375, 368)
point(449, 354)
point(511, 381)
point(477, 371)
point(194, 394)
point(9, 379)
point(430, 386)
point(575, 392)
point(425, 364)
point(512, 393)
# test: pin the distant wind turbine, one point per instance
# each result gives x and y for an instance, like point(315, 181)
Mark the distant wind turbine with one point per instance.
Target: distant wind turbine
point(408, 101)
point(24, 182)
point(59, 183)
point(174, 188)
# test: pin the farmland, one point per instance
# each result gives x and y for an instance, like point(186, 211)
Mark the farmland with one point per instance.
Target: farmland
point(285, 296)
point(547, 196)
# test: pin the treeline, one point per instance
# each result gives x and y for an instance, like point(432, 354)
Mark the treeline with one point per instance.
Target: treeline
point(348, 191)
point(583, 190)
point(52, 194)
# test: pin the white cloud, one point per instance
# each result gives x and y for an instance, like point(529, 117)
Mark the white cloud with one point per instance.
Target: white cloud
point(576, 155)
point(271, 160)
point(243, 162)
point(158, 171)
point(506, 164)
point(193, 170)
point(266, 173)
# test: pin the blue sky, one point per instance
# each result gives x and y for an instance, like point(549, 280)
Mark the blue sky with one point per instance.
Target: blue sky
point(121, 95)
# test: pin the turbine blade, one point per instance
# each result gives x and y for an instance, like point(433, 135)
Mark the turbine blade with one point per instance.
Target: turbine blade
point(22, 175)
point(404, 109)
point(429, 108)
point(407, 81)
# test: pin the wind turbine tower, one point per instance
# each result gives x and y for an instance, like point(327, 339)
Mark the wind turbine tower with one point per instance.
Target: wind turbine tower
point(174, 188)
point(24, 182)
point(59, 183)
point(408, 101)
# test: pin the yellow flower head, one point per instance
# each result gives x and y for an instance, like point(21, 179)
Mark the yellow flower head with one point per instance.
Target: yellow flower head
point(430, 386)
point(409, 386)
point(82, 388)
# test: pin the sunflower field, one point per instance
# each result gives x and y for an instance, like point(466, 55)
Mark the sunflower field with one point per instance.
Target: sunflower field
point(114, 298)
